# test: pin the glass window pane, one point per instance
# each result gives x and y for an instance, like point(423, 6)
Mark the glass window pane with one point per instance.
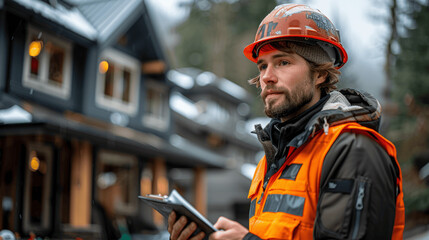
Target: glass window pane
point(126, 84)
point(151, 102)
point(117, 183)
point(155, 103)
point(120, 178)
point(34, 66)
point(109, 81)
point(56, 63)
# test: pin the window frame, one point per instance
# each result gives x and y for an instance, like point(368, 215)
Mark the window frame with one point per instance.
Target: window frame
point(125, 161)
point(115, 103)
point(159, 122)
point(42, 83)
point(46, 224)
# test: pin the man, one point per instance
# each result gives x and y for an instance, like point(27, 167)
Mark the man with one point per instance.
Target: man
point(326, 173)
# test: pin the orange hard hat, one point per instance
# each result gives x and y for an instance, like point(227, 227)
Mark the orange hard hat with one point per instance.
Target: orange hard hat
point(298, 22)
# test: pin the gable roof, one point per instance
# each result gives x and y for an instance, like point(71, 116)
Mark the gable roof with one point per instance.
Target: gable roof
point(109, 16)
point(100, 22)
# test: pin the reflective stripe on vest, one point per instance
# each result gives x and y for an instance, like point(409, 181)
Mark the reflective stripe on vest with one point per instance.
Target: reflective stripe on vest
point(286, 208)
point(284, 203)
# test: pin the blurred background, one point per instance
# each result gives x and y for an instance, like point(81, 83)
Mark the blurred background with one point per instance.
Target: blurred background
point(105, 100)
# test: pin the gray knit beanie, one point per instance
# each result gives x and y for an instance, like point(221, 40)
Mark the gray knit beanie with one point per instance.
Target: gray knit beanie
point(312, 53)
point(316, 52)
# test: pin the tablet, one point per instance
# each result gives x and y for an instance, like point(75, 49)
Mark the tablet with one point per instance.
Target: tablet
point(166, 204)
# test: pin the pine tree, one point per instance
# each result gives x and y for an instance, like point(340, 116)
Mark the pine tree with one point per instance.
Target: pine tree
point(411, 91)
point(412, 66)
point(214, 36)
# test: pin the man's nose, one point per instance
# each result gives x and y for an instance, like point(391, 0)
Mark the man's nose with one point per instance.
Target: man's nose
point(269, 75)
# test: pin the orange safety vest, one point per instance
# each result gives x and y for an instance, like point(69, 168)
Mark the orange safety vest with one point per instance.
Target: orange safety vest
point(287, 208)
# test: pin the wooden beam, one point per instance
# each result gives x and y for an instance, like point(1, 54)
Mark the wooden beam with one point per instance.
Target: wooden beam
point(160, 185)
point(153, 67)
point(146, 180)
point(81, 177)
point(200, 189)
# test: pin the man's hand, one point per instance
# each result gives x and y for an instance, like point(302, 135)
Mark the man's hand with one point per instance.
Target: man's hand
point(178, 231)
point(231, 230)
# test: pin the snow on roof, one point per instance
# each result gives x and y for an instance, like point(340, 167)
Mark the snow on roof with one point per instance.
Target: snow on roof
point(180, 79)
point(14, 114)
point(206, 78)
point(209, 113)
point(69, 18)
point(183, 105)
point(188, 78)
point(232, 88)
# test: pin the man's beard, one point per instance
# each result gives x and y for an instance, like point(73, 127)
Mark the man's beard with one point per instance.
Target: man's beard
point(293, 101)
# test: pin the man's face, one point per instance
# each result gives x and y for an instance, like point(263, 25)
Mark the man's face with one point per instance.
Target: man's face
point(288, 88)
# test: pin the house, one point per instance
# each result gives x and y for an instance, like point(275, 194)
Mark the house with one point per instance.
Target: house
point(213, 113)
point(85, 122)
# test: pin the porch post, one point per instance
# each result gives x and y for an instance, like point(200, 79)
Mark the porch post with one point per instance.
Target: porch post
point(80, 192)
point(160, 185)
point(200, 189)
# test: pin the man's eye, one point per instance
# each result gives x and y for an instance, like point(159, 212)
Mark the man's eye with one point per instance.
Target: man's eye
point(283, 62)
point(262, 67)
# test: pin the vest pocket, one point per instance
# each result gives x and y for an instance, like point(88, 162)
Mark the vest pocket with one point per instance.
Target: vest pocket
point(347, 200)
point(273, 226)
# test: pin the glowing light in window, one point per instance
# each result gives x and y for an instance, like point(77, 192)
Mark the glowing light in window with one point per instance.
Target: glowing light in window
point(103, 67)
point(35, 48)
point(34, 164)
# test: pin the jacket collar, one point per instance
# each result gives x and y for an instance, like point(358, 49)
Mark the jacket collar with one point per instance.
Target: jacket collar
point(347, 105)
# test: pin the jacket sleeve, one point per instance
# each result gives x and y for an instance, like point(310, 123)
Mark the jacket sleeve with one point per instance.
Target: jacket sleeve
point(357, 191)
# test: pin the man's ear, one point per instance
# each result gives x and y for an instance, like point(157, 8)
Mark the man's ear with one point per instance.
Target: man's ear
point(320, 77)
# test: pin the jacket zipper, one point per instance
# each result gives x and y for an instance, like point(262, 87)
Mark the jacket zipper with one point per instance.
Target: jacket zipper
point(359, 207)
point(263, 190)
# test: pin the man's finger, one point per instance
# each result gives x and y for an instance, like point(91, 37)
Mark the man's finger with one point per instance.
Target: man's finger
point(178, 227)
point(171, 221)
point(231, 230)
point(187, 232)
point(222, 223)
point(199, 236)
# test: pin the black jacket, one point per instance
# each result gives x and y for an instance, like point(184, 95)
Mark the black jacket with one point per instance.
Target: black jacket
point(352, 156)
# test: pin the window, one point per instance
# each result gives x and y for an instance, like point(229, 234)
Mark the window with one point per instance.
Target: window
point(118, 82)
point(218, 111)
point(47, 64)
point(38, 181)
point(156, 107)
point(214, 112)
point(117, 183)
